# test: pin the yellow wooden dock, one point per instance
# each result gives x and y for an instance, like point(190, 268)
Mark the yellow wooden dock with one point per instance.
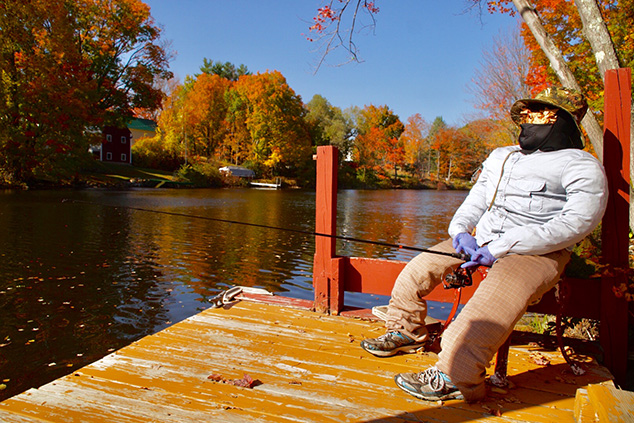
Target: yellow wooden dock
point(307, 367)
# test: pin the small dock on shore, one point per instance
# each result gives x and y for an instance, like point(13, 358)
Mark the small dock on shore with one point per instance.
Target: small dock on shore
point(298, 366)
point(274, 185)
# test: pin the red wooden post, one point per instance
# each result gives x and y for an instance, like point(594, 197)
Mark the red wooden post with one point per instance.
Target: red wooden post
point(615, 225)
point(327, 268)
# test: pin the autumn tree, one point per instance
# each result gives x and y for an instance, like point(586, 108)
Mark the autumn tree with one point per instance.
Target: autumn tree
point(167, 87)
point(580, 42)
point(237, 145)
point(447, 142)
point(336, 24)
point(203, 114)
point(573, 33)
point(416, 145)
point(69, 68)
point(489, 134)
point(556, 26)
point(434, 152)
point(170, 131)
point(275, 121)
point(481, 137)
point(257, 120)
point(377, 147)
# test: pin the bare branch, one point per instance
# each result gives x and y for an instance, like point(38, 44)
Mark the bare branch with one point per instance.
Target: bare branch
point(335, 31)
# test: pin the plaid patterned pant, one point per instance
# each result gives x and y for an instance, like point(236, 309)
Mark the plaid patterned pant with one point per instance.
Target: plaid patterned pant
point(488, 318)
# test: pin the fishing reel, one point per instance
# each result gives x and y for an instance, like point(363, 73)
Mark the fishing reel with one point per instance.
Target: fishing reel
point(457, 278)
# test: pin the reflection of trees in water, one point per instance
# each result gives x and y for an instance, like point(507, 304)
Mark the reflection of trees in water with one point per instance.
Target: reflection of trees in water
point(405, 217)
point(71, 288)
point(221, 254)
point(80, 280)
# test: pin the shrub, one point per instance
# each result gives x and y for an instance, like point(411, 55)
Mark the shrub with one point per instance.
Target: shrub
point(151, 153)
point(201, 175)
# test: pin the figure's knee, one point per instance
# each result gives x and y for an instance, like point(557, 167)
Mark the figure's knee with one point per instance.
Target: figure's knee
point(423, 273)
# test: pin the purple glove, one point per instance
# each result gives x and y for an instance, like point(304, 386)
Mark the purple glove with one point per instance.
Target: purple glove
point(480, 257)
point(464, 241)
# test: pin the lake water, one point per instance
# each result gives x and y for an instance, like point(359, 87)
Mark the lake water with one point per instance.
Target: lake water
point(82, 274)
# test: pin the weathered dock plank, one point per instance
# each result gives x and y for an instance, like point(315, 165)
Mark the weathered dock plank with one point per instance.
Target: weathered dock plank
point(308, 368)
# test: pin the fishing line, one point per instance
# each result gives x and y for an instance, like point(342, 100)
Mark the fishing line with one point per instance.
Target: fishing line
point(256, 225)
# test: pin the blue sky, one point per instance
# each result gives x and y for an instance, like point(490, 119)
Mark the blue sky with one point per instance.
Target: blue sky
point(419, 59)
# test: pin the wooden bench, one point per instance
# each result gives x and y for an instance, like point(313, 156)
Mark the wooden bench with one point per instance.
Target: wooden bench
point(333, 275)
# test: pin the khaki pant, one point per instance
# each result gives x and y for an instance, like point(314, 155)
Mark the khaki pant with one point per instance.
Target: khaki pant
point(488, 318)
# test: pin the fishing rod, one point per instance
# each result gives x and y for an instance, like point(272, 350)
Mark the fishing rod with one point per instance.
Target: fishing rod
point(300, 231)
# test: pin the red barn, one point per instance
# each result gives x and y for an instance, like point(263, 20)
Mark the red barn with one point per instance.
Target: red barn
point(116, 145)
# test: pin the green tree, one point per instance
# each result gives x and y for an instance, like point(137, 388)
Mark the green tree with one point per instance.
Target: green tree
point(437, 126)
point(225, 70)
point(329, 125)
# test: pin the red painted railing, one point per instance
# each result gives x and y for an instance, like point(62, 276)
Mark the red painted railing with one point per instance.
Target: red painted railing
point(333, 275)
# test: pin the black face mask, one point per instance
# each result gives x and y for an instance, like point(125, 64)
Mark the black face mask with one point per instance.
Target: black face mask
point(534, 135)
point(558, 136)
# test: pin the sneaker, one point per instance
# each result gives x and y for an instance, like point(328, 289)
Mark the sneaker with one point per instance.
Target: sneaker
point(390, 344)
point(430, 385)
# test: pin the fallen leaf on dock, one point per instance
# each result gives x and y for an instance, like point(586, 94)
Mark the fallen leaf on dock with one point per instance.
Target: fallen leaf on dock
point(492, 411)
point(246, 381)
point(216, 378)
point(539, 359)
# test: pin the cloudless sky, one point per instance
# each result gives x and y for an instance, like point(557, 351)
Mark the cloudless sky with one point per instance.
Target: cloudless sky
point(420, 57)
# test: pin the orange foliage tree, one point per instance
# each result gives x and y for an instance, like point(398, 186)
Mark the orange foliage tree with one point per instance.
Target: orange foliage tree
point(278, 133)
point(416, 145)
point(204, 113)
point(377, 147)
point(69, 67)
point(562, 20)
point(579, 57)
point(574, 43)
point(257, 120)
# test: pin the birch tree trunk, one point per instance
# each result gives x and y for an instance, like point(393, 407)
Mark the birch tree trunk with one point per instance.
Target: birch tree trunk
point(438, 164)
point(596, 32)
point(563, 72)
point(449, 171)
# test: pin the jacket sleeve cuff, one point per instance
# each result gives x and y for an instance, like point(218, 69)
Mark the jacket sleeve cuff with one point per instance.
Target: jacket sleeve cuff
point(499, 248)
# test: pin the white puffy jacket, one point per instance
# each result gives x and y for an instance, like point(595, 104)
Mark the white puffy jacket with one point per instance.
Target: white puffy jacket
point(545, 201)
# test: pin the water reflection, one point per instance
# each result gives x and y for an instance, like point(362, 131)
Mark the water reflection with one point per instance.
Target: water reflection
point(405, 217)
point(81, 279)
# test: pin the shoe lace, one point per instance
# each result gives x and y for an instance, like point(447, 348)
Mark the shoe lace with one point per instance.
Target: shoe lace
point(389, 336)
point(434, 378)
